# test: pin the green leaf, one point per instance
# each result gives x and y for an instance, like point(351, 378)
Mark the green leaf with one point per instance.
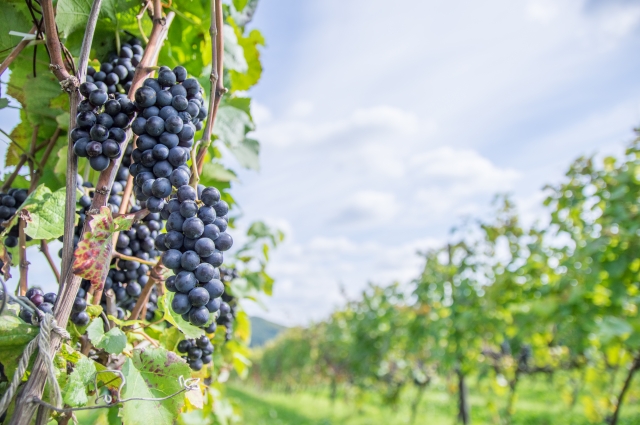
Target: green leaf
point(83, 375)
point(244, 80)
point(113, 342)
point(176, 320)
point(233, 52)
point(92, 257)
point(15, 334)
point(14, 17)
point(243, 10)
point(217, 172)
point(612, 327)
point(63, 121)
point(170, 338)
point(4, 102)
point(61, 165)
point(247, 153)
point(71, 15)
point(153, 373)
point(231, 125)
point(43, 212)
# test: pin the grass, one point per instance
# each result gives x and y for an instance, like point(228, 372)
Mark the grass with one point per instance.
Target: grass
point(536, 405)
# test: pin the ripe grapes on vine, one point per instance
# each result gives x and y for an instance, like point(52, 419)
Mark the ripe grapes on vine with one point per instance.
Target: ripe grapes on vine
point(115, 154)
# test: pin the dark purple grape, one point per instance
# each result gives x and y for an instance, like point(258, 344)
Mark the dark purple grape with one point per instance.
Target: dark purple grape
point(190, 260)
point(98, 97)
point(198, 316)
point(180, 303)
point(146, 96)
point(99, 163)
point(185, 282)
point(193, 228)
point(198, 297)
point(204, 272)
point(214, 287)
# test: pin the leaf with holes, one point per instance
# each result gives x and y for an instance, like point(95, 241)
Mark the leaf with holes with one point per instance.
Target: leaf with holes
point(93, 255)
point(42, 213)
point(153, 373)
point(75, 390)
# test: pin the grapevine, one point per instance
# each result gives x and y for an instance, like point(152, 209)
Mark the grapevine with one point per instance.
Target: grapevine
point(144, 225)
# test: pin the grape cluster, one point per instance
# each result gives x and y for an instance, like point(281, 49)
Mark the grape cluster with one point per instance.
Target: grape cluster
point(10, 202)
point(128, 277)
point(100, 125)
point(229, 303)
point(115, 75)
point(171, 109)
point(44, 302)
point(198, 351)
point(193, 247)
point(78, 314)
point(227, 315)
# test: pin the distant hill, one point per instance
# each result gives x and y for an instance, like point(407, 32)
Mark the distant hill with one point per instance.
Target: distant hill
point(263, 330)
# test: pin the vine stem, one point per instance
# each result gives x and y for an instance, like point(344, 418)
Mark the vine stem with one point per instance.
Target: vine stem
point(116, 254)
point(16, 51)
point(155, 277)
point(22, 238)
point(24, 409)
point(50, 144)
point(635, 365)
point(217, 88)
point(44, 247)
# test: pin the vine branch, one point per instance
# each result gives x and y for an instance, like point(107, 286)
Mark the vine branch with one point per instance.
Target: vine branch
point(217, 88)
point(16, 51)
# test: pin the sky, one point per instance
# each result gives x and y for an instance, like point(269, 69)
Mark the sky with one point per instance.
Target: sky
point(383, 124)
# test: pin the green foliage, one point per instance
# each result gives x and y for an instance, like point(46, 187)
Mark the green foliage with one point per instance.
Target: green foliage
point(152, 373)
point(176, 320)
point(15, 334)
point(43, 213)
point(497, 303)
point(44, 112)
point(113, 341)
point(75, 391)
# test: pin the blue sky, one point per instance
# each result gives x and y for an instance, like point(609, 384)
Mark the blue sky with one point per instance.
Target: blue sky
point(382, 124)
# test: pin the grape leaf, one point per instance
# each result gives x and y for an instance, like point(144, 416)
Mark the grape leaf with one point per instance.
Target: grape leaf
point(246, 152)
point(15, 334)
point(242, 80)
point(14, 17)
point(72, 14)
point(75, 390)
point(113, 342)
point(93, 254)
point(217, 172)
point(43, 212)
point(233, 52)
point(170, 338)
point(153, 373)
point(243, 10)
point(232, 124)
point(176, 320)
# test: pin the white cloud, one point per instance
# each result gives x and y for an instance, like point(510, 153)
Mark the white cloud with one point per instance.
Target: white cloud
point(368, 207)
point(299, 127)
point(543, 11)
point(466, 166)
point(313, 275)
